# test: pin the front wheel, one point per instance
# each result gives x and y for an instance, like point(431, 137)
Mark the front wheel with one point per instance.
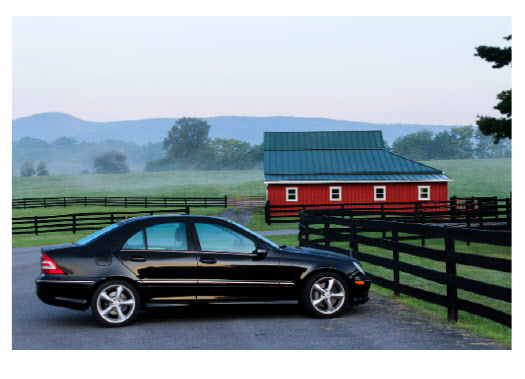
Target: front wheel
point(115, 303)
point(325, 295)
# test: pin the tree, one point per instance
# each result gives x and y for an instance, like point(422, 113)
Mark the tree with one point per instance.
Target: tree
point(112, 162)
point(41, 169)
point(27, 168)
point(498, 128)
point(417, 146)
point(188, 143)
point(232, 154)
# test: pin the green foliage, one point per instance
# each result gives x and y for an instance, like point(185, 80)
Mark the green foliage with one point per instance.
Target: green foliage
point(41, 169)
point(233, 154)
point(458, 143)
point(112, 162)
point(417, 146)
point(498, 128)
point(65, 156)
point(27, 168)
point(188, 144)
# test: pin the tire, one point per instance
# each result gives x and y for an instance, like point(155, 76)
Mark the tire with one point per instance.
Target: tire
point(112, 310)
point(325, 295)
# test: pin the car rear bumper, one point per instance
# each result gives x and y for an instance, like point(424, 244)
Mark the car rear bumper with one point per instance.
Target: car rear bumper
point(74, 294)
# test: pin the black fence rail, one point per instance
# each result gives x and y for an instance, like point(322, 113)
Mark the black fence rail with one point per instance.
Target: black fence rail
point(79, 221)
point(118, 201)
point(483, 212)
point(321, 229)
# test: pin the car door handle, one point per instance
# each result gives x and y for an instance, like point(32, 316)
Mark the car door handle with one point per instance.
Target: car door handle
point(208, 260)
point(137, 258)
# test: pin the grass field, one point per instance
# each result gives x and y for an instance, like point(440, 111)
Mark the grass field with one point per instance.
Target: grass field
point(474, 177)
point(477, 177)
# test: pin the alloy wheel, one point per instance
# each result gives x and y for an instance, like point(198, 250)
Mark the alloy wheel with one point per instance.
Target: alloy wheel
point(327, 295)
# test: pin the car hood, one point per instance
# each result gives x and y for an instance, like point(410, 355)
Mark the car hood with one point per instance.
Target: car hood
point(317, 252)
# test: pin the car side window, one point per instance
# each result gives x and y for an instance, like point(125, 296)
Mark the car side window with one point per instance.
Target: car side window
point(214, 237)
point(167, 236)
point(136, 242)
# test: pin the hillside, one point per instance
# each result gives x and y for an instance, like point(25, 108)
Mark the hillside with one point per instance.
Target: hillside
point(49, 126)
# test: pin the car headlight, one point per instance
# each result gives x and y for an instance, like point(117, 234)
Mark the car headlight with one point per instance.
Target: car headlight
point(359, 268)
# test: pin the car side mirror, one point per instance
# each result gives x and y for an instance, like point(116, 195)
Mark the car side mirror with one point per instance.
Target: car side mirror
point(260, 252)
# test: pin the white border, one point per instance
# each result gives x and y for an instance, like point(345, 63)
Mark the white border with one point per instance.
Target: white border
point(296, 193)
point(419, 192)
point(375, 193)
point(340, 193)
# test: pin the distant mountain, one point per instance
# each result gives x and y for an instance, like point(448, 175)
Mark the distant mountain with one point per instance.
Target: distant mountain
point(49, 126)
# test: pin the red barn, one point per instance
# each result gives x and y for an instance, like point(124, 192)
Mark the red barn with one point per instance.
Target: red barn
point(344, 167)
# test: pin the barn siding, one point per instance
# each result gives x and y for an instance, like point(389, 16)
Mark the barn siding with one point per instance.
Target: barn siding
point(355, 192)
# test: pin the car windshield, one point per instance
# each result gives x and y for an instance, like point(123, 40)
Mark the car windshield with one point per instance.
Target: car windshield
point(275, 245)
point(98, 233)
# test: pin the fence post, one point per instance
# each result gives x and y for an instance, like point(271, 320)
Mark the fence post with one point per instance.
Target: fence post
point(45, 204)
point(105, 201)
point(267, 216)
point(383, 217)
point(508, 211)
point(85, 201)
point(353, 237)
point(452, 290)
point(326, 229)
point(225, 201)
point(395, 239)
point(36, 224)
point(112, 221)
point(74, 224)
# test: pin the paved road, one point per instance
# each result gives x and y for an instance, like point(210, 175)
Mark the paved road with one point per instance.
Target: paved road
point(379, 324)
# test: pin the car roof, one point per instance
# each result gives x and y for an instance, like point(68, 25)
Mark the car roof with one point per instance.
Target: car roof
point(172, 216)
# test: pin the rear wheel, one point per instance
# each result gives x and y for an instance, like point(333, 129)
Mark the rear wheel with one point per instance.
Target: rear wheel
point(325, 295)
point(115, 303)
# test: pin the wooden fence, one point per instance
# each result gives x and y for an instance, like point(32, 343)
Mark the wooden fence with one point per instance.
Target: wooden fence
point(472, 211)
point(78, 221)
point(117, 201)
point(321, 229)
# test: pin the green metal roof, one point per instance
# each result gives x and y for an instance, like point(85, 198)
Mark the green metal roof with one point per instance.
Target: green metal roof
point(323, 140)
point(344, 156)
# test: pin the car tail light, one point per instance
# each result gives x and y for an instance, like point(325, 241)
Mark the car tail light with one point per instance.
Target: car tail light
point(49, 266)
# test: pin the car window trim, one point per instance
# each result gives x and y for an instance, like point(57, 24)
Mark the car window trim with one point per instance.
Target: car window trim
point(197, 242)
point(189, 237)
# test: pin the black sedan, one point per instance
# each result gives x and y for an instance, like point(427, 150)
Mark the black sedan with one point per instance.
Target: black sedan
point(171, 260)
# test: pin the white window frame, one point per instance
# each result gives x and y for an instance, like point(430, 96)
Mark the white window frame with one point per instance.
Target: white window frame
point(340, 194)
point(296, 189)
point(419, 188)
point(375, 193)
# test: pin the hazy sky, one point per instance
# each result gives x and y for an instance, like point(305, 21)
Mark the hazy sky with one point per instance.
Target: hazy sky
point(371, 69)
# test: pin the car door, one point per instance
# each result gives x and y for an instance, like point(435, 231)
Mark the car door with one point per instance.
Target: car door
point(163, 258)
point(229, 268)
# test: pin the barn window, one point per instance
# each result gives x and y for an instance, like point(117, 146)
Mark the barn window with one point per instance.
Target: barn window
point(424, 193)
point(379, 192)
point(291, 194)
point(335, 193)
